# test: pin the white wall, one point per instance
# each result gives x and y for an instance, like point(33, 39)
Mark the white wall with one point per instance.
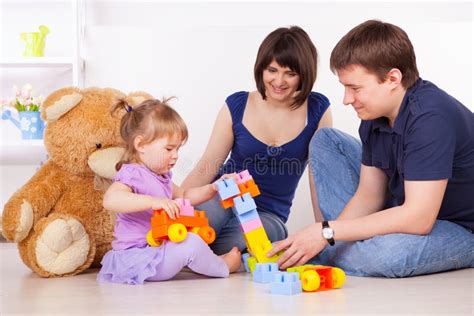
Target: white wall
point(203, 51)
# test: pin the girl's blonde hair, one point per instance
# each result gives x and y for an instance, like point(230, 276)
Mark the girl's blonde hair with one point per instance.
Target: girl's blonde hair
point(151, 119)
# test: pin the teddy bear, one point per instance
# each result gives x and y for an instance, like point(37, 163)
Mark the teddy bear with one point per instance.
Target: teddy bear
point(57, 217)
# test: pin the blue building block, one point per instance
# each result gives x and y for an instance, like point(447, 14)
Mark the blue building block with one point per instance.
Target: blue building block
point(243, 204)
point(227, 188)
point(286, 283)
point(265, 272)
point(245, 256)
point(247, 217)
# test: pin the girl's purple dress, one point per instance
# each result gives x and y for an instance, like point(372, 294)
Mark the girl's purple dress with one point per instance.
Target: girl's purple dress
point(131, 260)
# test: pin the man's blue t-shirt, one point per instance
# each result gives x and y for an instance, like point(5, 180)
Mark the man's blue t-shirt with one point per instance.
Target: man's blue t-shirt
point(432, 139)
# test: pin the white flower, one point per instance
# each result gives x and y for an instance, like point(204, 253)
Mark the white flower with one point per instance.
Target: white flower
point(26, 91)
point(25, 124)
point(34, 120)
point(26, 99)
point(33, 129)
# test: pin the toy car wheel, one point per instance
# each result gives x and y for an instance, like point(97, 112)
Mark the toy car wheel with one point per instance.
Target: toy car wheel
point(207, 234)
point(151, 241)
point(338, 277)
point(310, 280)
point(177, 232)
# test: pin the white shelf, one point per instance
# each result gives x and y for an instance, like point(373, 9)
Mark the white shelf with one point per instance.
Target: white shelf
point(37, 62)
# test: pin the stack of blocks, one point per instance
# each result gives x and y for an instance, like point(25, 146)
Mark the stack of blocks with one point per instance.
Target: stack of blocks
point(239, 195)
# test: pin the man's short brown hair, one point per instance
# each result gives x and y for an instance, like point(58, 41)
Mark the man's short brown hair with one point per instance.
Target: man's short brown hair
point(378, 47)
point(290, 47)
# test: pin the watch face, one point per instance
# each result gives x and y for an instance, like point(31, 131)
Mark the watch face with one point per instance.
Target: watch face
point(328, 233)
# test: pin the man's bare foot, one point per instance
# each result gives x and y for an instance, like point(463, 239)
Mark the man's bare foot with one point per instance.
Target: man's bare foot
point(232, 259)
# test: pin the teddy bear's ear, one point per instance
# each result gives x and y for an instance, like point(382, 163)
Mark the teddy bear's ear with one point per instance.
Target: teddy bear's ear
point(135, 98)
point(62, 106)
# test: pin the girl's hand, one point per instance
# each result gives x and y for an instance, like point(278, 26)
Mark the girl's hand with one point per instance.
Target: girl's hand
point(171, 207)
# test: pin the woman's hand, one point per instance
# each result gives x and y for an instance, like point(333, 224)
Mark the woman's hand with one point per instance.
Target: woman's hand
point(299, 247)
point(171, 207)
point(224, 176)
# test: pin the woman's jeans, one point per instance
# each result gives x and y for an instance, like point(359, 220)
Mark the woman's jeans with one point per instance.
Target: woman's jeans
point(227, 226)
point(335, 162)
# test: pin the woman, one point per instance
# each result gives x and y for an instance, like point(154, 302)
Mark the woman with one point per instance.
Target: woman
point(266, 131)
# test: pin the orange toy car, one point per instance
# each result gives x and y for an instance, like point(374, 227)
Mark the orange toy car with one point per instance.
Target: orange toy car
point(165, 228)
point(319, 278)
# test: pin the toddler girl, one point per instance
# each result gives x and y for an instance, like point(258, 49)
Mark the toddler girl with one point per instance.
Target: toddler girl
point(153, 134)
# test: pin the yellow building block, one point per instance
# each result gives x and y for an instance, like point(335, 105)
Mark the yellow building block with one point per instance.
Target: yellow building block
point(300, 269)
point(258, 245)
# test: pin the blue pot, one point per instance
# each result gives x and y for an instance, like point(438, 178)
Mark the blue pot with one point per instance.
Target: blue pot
point(30, 124)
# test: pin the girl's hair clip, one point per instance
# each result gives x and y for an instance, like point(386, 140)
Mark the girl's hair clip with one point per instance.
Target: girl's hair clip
point(128, 108)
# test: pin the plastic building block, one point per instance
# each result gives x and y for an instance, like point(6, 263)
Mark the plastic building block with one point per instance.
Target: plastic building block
point(244, 204)
point(249, 187)
point(247, 217)
point(185, 207)
point(227, 203)
point(252, 263)
point(245, 256)
point(258, 245)
point(300, 269)
point(249, 262)
point(243, 177)
point(245, 209)
point(227, 188)
point(265, 272)
point(286, 283)
point(163, 227)
point(315, 278)
point(251, 225)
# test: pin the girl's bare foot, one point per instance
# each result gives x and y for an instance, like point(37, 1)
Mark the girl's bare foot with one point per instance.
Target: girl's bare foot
point(232, 259)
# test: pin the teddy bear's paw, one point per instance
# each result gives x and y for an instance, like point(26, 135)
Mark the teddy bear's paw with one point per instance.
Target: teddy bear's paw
point(25, 221)
point(63, 246)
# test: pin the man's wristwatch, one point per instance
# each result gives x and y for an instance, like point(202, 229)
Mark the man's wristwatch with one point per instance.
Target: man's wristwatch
point(328, 233)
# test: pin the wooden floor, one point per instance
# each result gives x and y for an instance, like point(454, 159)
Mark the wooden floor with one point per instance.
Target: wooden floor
point(22, 292)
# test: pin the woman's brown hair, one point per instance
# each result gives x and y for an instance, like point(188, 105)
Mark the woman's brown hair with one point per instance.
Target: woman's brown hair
point(289, 47)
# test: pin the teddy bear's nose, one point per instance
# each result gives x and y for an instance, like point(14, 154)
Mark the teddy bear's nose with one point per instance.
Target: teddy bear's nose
point(98, 146)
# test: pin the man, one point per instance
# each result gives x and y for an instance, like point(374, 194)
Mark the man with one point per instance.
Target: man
point(406, 208)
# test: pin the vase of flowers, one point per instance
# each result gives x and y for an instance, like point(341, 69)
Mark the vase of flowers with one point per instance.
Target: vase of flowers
point(28, 107)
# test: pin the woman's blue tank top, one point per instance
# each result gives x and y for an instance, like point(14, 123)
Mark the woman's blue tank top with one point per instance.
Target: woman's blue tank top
point(276, 170)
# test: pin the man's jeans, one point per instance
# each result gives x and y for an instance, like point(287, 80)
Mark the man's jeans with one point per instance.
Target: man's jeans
point(335, 162)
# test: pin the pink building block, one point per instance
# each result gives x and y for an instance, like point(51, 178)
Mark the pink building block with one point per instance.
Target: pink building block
point(251, 225)
point(185, 206)
point(243, 177)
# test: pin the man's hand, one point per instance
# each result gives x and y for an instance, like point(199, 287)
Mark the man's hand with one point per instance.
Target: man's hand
point(300, 247)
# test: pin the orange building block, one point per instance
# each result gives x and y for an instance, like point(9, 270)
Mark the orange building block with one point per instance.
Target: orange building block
point(160, 223)
point(247, 187)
